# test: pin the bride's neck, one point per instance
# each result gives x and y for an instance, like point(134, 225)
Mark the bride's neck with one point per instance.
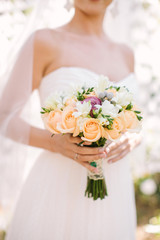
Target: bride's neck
point(86, 24)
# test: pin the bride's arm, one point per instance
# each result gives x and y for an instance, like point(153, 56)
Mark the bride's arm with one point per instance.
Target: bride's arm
point(45, 53)
point(23, 80)
point(25, 77)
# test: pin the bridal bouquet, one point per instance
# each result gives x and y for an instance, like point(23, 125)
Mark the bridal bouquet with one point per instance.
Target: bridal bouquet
point(96, 113)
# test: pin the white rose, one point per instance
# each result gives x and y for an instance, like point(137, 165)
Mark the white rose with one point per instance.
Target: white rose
point(83, 109)
point(103, 120)
point(55, 101)
point(123, 97)
point(109, 109)
point(103, 83)
point(74, 88)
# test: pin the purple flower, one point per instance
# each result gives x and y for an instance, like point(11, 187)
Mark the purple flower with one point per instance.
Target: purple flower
point(94, 101)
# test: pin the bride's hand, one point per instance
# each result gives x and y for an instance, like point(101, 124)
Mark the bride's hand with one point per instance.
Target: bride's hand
point(118, 150)
point(68, 146)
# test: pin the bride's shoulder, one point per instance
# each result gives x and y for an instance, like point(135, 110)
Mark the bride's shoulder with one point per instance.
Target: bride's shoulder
point(46, 37)
point(45, 52)
point(46, 42)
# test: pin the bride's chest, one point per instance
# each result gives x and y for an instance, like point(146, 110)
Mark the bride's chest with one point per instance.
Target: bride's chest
point(100, 58)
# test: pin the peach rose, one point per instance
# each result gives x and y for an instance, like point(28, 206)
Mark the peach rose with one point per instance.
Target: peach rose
point(117, 128)
point(112, 90)
point(52, 119)
point(70, 102)
point(121, 116)
point(131, 119)
point(68, 123)
point(92, 130)
point(76, 131)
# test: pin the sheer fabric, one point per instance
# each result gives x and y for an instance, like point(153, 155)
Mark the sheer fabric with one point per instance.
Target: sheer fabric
point(14, 131)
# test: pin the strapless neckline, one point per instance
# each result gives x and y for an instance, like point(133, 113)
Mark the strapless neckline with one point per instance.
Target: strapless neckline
point(61, 78)
point(83, 69)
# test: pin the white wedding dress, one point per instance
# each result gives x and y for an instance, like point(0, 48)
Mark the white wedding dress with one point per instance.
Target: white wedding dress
point(52, 205)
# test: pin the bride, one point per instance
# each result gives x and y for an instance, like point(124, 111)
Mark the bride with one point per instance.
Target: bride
point(52, 204)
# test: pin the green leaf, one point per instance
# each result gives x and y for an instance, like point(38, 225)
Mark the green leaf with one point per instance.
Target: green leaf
point(106, 116)
point(129, 106)
point(79, 144)
point(109, 127)
point(100, 110)
point(100, 143)
point(139, 117)
point(89, 90)
point(117, 89)
point(95, 115)
point(46, 110)
point(93, 164)
point(138, 112)
point(81, 134)
point(80, 96)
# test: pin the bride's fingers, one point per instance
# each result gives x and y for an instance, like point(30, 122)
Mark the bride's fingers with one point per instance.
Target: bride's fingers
point(77, 140)
point(85, 163)
point(83, 158)
point(117, 157)
point(119, 149)
point(89, 167)
point(87, 150)
point(72, 139)
point(108, 142)
point(114, 146)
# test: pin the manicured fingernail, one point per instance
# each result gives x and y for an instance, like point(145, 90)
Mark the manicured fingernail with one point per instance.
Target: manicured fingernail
point(107, 150)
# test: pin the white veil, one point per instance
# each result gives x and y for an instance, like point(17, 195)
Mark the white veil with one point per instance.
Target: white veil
point(14, 131)
point(16, 109)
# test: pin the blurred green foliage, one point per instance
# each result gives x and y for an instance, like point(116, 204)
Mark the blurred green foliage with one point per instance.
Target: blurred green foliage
point(148, 206)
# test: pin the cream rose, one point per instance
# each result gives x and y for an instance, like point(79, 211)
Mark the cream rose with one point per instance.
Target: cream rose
point(92, 130)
